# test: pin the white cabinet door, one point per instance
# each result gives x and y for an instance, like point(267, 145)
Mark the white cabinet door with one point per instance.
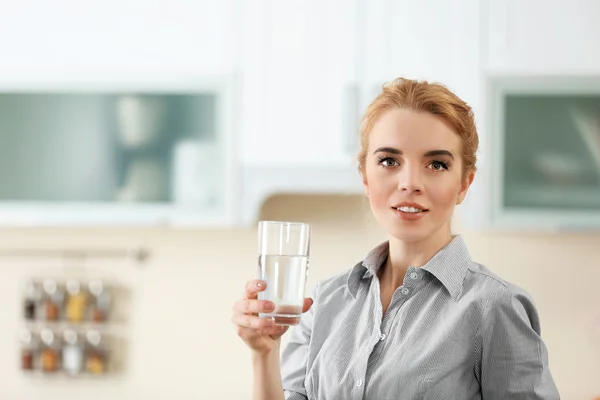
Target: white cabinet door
point(541, 36)
point(298, 64)
point(70, 40)
point(434, 40)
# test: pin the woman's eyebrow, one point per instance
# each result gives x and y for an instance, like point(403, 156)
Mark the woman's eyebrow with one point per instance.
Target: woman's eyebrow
point(430, 153)
point(433, 153)
point(388, 150)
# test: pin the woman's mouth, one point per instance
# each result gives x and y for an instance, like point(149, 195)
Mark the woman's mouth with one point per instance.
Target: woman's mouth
point(409, 213)
point(407, 209)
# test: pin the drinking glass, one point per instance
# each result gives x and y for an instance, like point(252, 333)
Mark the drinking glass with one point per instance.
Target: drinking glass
point(283, 252)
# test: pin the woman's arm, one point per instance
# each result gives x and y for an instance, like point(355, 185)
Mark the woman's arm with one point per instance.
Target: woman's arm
point(264, 339)
point(512, 358)
point(267, 376)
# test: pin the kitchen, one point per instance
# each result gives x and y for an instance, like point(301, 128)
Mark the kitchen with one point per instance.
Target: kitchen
point(141, 143)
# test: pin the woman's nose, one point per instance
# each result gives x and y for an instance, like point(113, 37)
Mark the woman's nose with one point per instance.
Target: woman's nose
point(410, 180)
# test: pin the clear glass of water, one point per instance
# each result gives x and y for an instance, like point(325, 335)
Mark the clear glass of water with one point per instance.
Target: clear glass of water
point(283, 252)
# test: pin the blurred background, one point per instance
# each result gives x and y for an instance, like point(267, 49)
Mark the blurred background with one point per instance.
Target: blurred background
point(142, 141)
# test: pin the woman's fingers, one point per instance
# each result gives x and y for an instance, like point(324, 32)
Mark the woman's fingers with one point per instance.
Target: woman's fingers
point(251, 327)
point(277, 331)
point(308, 302)
point(247, 306)
point(253, 287)
point(252, 322)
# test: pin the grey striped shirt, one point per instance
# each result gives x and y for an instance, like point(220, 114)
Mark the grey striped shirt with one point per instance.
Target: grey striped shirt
point(453, 330)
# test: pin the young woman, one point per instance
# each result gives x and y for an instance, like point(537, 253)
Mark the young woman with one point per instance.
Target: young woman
point(417, 318)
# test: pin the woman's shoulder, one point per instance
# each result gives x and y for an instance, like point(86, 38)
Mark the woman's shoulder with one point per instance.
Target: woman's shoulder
point(497, 294)
point(481, 276)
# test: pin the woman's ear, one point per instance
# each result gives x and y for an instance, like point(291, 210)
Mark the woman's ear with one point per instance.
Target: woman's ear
point(464, 186)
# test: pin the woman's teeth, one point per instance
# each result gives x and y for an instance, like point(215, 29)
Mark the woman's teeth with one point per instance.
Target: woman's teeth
point(409, 209)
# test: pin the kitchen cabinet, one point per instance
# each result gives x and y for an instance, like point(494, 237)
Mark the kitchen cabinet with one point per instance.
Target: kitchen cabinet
point(546, 166)
point(118, 113)
point(538, 61)
point(70, 41)
point(298, 65)
point(543, 37)
point(154, 154)
point(418, 40)
point(299, 100)
point(290, 81)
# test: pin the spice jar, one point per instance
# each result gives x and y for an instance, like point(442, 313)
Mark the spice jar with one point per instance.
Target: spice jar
point(49, 354)
point(100, 301)
point(27, 349)
point(72, 353)
point(76, 302)
point(53, 300)
point(96, 353)
point(31, 297)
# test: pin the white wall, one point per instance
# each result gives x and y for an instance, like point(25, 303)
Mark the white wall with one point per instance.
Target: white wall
point(181, 344)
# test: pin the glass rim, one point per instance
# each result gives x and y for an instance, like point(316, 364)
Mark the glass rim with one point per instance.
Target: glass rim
point(283, 223)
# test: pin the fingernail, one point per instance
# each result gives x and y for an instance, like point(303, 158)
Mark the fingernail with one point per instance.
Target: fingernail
point(260, 285)
point(269, 306)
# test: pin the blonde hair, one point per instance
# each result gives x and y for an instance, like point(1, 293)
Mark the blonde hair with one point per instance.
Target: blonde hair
point(422, 96)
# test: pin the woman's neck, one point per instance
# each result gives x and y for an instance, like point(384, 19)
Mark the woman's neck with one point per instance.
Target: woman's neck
point(403, 255)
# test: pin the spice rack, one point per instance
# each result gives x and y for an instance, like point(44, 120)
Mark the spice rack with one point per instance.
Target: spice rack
point(65, 320)
point(64, 323)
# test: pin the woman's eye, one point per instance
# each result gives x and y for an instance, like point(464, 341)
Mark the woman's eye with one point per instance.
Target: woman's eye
point(438, 166)
point(388, 162)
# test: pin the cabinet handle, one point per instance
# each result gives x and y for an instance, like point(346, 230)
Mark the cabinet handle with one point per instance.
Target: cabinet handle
point(351, 117)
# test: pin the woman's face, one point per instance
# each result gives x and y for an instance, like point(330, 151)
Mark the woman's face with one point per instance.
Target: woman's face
point(413, 174)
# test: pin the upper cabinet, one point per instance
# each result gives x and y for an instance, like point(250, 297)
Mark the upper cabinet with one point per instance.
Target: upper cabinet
point(537, 116)
point(118, 113)
point(143, 157)
point(115, 40)
point(540, 36)
point(299, 74)
point(435, 40)
point(300, 99)
point(195, 112)
point(546, 169)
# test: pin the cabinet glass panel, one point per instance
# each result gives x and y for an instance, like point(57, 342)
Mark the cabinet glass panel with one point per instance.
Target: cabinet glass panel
point(158, 148)
point(552, 151)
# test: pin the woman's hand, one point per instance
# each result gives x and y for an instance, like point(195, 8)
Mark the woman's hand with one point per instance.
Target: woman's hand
point(260, 334)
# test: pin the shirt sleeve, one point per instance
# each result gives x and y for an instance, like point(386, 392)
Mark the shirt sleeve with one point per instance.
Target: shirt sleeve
point(294, 358)
point(513, 359)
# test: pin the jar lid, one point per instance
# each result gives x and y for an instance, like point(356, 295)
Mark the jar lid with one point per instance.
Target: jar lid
point(50, 286)
point(47, 336)
point(70, 336)
point(25, 336)
point(96, 287)
point(94, 337)
point(29, 288)
point(73, 287)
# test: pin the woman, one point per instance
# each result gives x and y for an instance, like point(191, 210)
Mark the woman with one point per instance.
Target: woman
point(416, 319)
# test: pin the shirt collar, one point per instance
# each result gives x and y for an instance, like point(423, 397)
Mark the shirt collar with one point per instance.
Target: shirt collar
point(449, 266)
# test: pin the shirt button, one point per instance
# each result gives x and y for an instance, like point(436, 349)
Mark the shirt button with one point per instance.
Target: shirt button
point(382, 337)
point(405, 291)
point(414, 275)
point(359, 383)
